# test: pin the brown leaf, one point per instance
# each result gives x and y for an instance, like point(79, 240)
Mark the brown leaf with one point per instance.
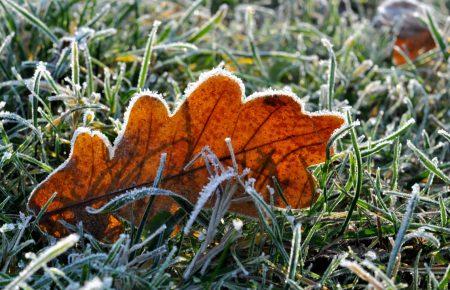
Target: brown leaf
point(413, 46)
point(413, 37)
point(270, 134)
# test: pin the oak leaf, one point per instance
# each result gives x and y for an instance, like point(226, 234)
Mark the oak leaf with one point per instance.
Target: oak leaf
point(270, 133)
point(414, 37)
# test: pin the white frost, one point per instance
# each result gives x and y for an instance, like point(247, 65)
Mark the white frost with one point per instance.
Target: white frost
point(206, 193)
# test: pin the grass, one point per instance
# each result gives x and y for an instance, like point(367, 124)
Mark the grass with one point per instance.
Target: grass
point(382, 220)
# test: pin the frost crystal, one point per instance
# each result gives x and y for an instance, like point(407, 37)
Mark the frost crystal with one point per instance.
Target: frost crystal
point(7, 228)
point(371, 255)
point(96, 283)
point(238, 224)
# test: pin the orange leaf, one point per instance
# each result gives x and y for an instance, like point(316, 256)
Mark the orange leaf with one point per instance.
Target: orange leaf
point(413, 37)
point(270, 133)
point(413, 46)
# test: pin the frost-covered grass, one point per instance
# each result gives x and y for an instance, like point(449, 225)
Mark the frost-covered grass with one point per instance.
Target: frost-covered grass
point(382, 220)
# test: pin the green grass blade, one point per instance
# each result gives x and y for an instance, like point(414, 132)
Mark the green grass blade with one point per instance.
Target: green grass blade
point(210, 24)
point(359, 176)
point(401, 232)
point(331, 73)
point(49, 254)
point(129, 197)
point(429, 164)
point(437, 35)
point(147, 56)
point(295, 252)
point(33, 20)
